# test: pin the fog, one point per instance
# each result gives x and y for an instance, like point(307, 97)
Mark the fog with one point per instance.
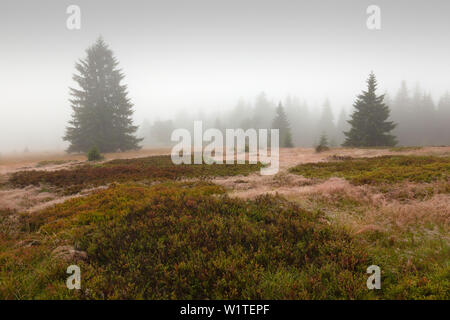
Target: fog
point(202, 56)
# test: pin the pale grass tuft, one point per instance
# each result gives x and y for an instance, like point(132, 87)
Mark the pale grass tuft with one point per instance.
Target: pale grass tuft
point(435, 211)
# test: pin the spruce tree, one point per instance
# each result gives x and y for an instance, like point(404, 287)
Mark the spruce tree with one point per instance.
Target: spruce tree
point(263, 112)
point(160, 132)
point(426, 125)
point(403, 110)
point(298, 113)
point(443, 127)
point(369, 125)
point(323, 143)
point(342, 126)
point(323, 140)
point(280, 122)
point(326, 121)
point(101, 109)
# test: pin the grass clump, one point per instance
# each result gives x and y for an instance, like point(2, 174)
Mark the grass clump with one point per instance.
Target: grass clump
point(379, 170)
point(156, 168)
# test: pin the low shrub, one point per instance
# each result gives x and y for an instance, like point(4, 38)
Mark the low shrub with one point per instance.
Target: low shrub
point(321, 148)
point(45, 163)
point(402, 149)
point(156, 168)
point(323, 144)
point(378, 170)
point(189, 241)
point(94, 154)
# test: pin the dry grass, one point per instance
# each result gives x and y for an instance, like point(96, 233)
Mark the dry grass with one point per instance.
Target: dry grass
point(33, 199)
point(361, 210)
point(288, 157)
point(23, 199)
point(14, 162)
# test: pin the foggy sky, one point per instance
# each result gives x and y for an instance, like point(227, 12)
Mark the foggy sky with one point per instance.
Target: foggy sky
point(207, 54)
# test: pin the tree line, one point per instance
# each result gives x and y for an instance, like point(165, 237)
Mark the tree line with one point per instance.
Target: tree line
point(416, 119)
point(102, 115)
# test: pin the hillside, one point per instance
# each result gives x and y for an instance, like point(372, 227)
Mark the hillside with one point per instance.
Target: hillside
point(141, 227)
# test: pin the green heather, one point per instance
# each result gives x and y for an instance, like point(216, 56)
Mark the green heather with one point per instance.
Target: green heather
point(191, 241)
point(378, 170)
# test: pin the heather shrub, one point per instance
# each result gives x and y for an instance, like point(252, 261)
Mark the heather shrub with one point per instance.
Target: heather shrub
point(402, 149)
point(203, 247)
point(45, 163)
point(379, 170)
point(190, 241)
point(156, 168)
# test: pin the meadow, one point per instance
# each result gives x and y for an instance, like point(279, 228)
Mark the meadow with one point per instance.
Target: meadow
point(142, 228)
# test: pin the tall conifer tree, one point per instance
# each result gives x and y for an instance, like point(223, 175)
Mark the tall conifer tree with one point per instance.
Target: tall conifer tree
point(342, 126)
point(369, 125)
point(443, 127)
point(280, 122)
point(101, 109)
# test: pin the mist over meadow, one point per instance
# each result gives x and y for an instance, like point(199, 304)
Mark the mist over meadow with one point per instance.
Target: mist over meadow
point(419, 119)
point(229, 64)
point(253, 150)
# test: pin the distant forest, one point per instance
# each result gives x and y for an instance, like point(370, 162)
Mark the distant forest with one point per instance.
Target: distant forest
point(420, 120)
